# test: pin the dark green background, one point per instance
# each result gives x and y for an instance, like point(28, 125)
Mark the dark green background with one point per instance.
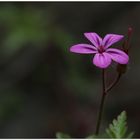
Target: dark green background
point(43, 87)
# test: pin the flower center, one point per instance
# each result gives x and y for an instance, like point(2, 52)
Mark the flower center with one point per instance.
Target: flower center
point(101, 49)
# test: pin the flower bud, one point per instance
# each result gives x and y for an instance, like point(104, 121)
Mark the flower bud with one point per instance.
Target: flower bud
point(122, 68)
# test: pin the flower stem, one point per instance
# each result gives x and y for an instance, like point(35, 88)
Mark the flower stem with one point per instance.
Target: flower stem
point(101, 104)
point(114, 82)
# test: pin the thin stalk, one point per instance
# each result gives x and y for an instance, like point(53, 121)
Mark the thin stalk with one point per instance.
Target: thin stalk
point(101, 104)
point(114, 82)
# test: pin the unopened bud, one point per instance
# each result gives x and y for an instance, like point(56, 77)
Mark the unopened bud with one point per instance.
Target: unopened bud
point(122, 68)
point(129, 31)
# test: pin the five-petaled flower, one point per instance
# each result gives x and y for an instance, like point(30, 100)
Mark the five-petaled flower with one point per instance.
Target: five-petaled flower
point(103, 54)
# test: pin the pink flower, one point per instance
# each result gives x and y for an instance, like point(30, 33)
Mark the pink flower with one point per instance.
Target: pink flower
point(100, 47)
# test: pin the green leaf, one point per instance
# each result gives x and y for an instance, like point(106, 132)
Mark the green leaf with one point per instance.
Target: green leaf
point(60, 135)
point(118, 128)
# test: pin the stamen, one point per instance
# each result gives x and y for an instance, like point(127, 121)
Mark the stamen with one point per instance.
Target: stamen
point(101, 49)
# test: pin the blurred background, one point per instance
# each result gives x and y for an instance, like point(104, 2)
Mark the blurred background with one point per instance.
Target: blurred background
point(44, 88)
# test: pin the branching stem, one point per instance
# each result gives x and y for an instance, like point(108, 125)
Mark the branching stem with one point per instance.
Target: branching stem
point(104, 93)
point(114, 83)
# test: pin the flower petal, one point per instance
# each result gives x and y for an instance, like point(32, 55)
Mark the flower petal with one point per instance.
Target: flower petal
point(94, 38)
point(118, 55)
point(83, 48)
point(110, 39)
point(102, 60)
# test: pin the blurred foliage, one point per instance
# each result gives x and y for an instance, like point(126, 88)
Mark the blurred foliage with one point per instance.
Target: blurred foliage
point(26, 24)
